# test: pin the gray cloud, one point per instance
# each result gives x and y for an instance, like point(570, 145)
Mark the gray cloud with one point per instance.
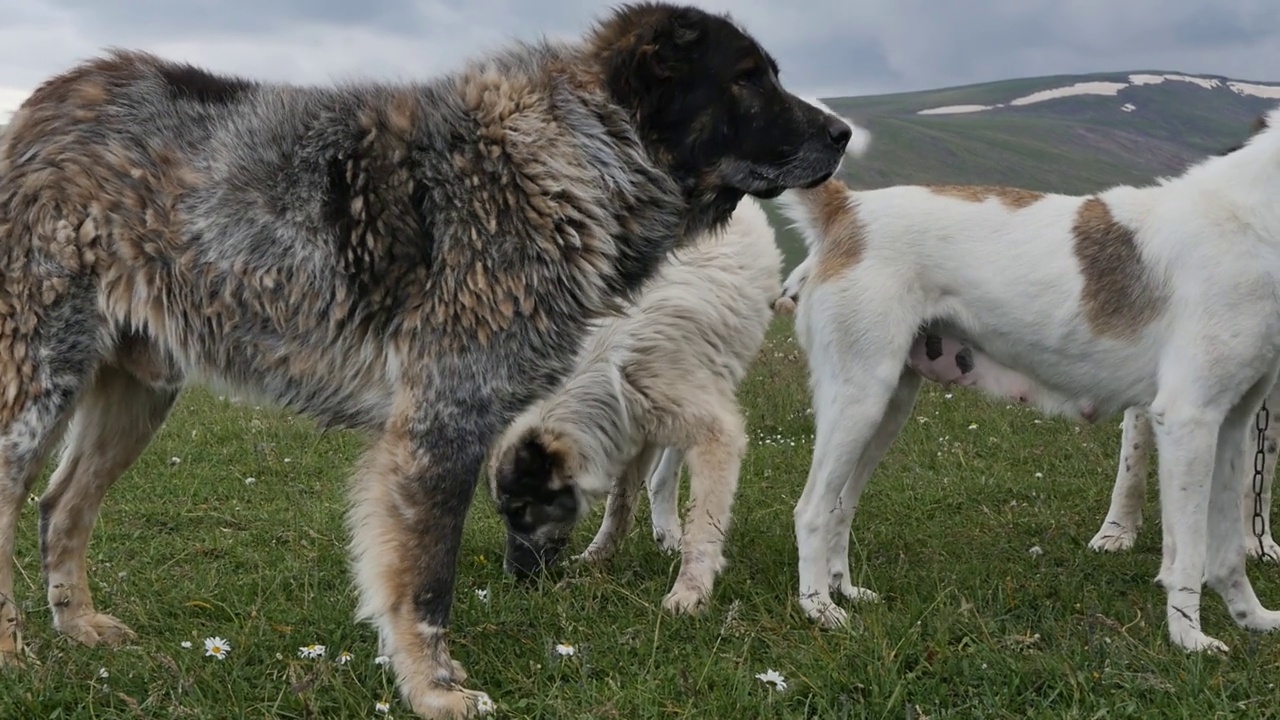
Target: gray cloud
point(828, 47)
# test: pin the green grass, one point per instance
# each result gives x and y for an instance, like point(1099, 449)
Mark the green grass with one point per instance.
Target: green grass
point(972, 625)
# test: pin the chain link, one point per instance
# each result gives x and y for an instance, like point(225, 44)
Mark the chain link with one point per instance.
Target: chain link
point(1259, 475)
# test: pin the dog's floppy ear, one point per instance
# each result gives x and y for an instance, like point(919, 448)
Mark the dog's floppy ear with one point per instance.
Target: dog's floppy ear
point(529, 469)
point(644, 62)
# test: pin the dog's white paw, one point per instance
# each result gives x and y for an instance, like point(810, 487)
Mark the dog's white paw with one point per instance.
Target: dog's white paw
point(1114, 537)
point(668, 538)
point(841, 583)
point(593, 555)
point(820, 609)
point(685, 599)
point(1269, 552)
point(1196, 641)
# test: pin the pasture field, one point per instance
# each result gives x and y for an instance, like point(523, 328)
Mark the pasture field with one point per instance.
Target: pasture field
point(973, 623)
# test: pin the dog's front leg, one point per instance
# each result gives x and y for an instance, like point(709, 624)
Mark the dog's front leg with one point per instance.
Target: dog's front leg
point(620, 507)
point(409, 501)
point(1186, 441)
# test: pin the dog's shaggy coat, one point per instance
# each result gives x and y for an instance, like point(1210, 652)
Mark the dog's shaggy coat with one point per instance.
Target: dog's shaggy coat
point(664, 375)
point(417, 260)
point(1163, 296)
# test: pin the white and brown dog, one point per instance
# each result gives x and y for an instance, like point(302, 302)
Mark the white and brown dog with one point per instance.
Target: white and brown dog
point(1165, 297)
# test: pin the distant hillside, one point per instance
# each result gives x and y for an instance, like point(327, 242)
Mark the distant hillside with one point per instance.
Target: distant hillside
point(1063, 133)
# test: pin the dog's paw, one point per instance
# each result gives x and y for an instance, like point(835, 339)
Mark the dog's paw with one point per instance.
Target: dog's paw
point(596, 553)
point(685, 599)
point(824, 612)
point(1114, 537)
point(16, 659)
point(439, 702)
point(858, 594)
point(1196, 641)
point(668, 538)
point(1269, 552)
point(94, 629)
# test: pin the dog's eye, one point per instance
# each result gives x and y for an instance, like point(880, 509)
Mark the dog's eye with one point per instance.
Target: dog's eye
point(751, 77)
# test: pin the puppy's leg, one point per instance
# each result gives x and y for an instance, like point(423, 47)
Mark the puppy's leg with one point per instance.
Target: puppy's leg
point(1269, 550)
point(841, 519)
point(1124, 517)
point(409, 500)
point(1186, 441)
point(664, 500)
point(1225, 563)
point(620, 506)
point(715, 459)
point(113, 423)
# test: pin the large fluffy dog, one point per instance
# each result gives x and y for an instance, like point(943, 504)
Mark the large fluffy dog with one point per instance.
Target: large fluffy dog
point(417, 260)
point(662, 376)
point(1162, 296)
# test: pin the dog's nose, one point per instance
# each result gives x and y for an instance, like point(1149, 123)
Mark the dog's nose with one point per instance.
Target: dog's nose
point(839, 132)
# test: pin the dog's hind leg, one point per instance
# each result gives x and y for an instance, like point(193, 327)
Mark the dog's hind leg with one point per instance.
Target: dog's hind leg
point(30, 426)
point(852, 387)
point(1225, 563)
point(840, 525)
point(1124, 517)
point(1269, 551)
point(715, 460)
point(620, 506)
point(114, 422)
point(664, 499)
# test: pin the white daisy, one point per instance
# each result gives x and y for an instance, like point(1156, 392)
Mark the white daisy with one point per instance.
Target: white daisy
point(482, 595)
point(343, 657)
point(774, 678)
point(102, 673)
point(382, 707)
point(217, 647)
point(485, 704)
point(175, 460)
point(250, 480)
point(186, 644)
point(381, 660)
point(311, 651)
point(565, 649)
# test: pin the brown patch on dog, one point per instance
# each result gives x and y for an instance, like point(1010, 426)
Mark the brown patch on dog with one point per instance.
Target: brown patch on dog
point(1011, 197)
point(835, 218)
point(1120, 297)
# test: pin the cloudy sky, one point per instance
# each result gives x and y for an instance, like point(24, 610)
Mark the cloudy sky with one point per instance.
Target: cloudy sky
point(828, 47)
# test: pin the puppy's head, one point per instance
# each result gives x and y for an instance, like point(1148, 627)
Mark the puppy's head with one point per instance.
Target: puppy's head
point(706, 98)
point(530, 485)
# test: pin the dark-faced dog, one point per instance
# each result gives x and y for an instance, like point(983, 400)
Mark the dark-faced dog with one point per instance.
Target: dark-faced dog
point(417, 260)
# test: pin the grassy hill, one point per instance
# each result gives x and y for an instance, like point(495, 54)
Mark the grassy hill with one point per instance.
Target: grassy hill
point(1077, 143)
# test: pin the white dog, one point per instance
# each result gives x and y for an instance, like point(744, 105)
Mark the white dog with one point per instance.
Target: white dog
point(1165, 296)
point(661, 377)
